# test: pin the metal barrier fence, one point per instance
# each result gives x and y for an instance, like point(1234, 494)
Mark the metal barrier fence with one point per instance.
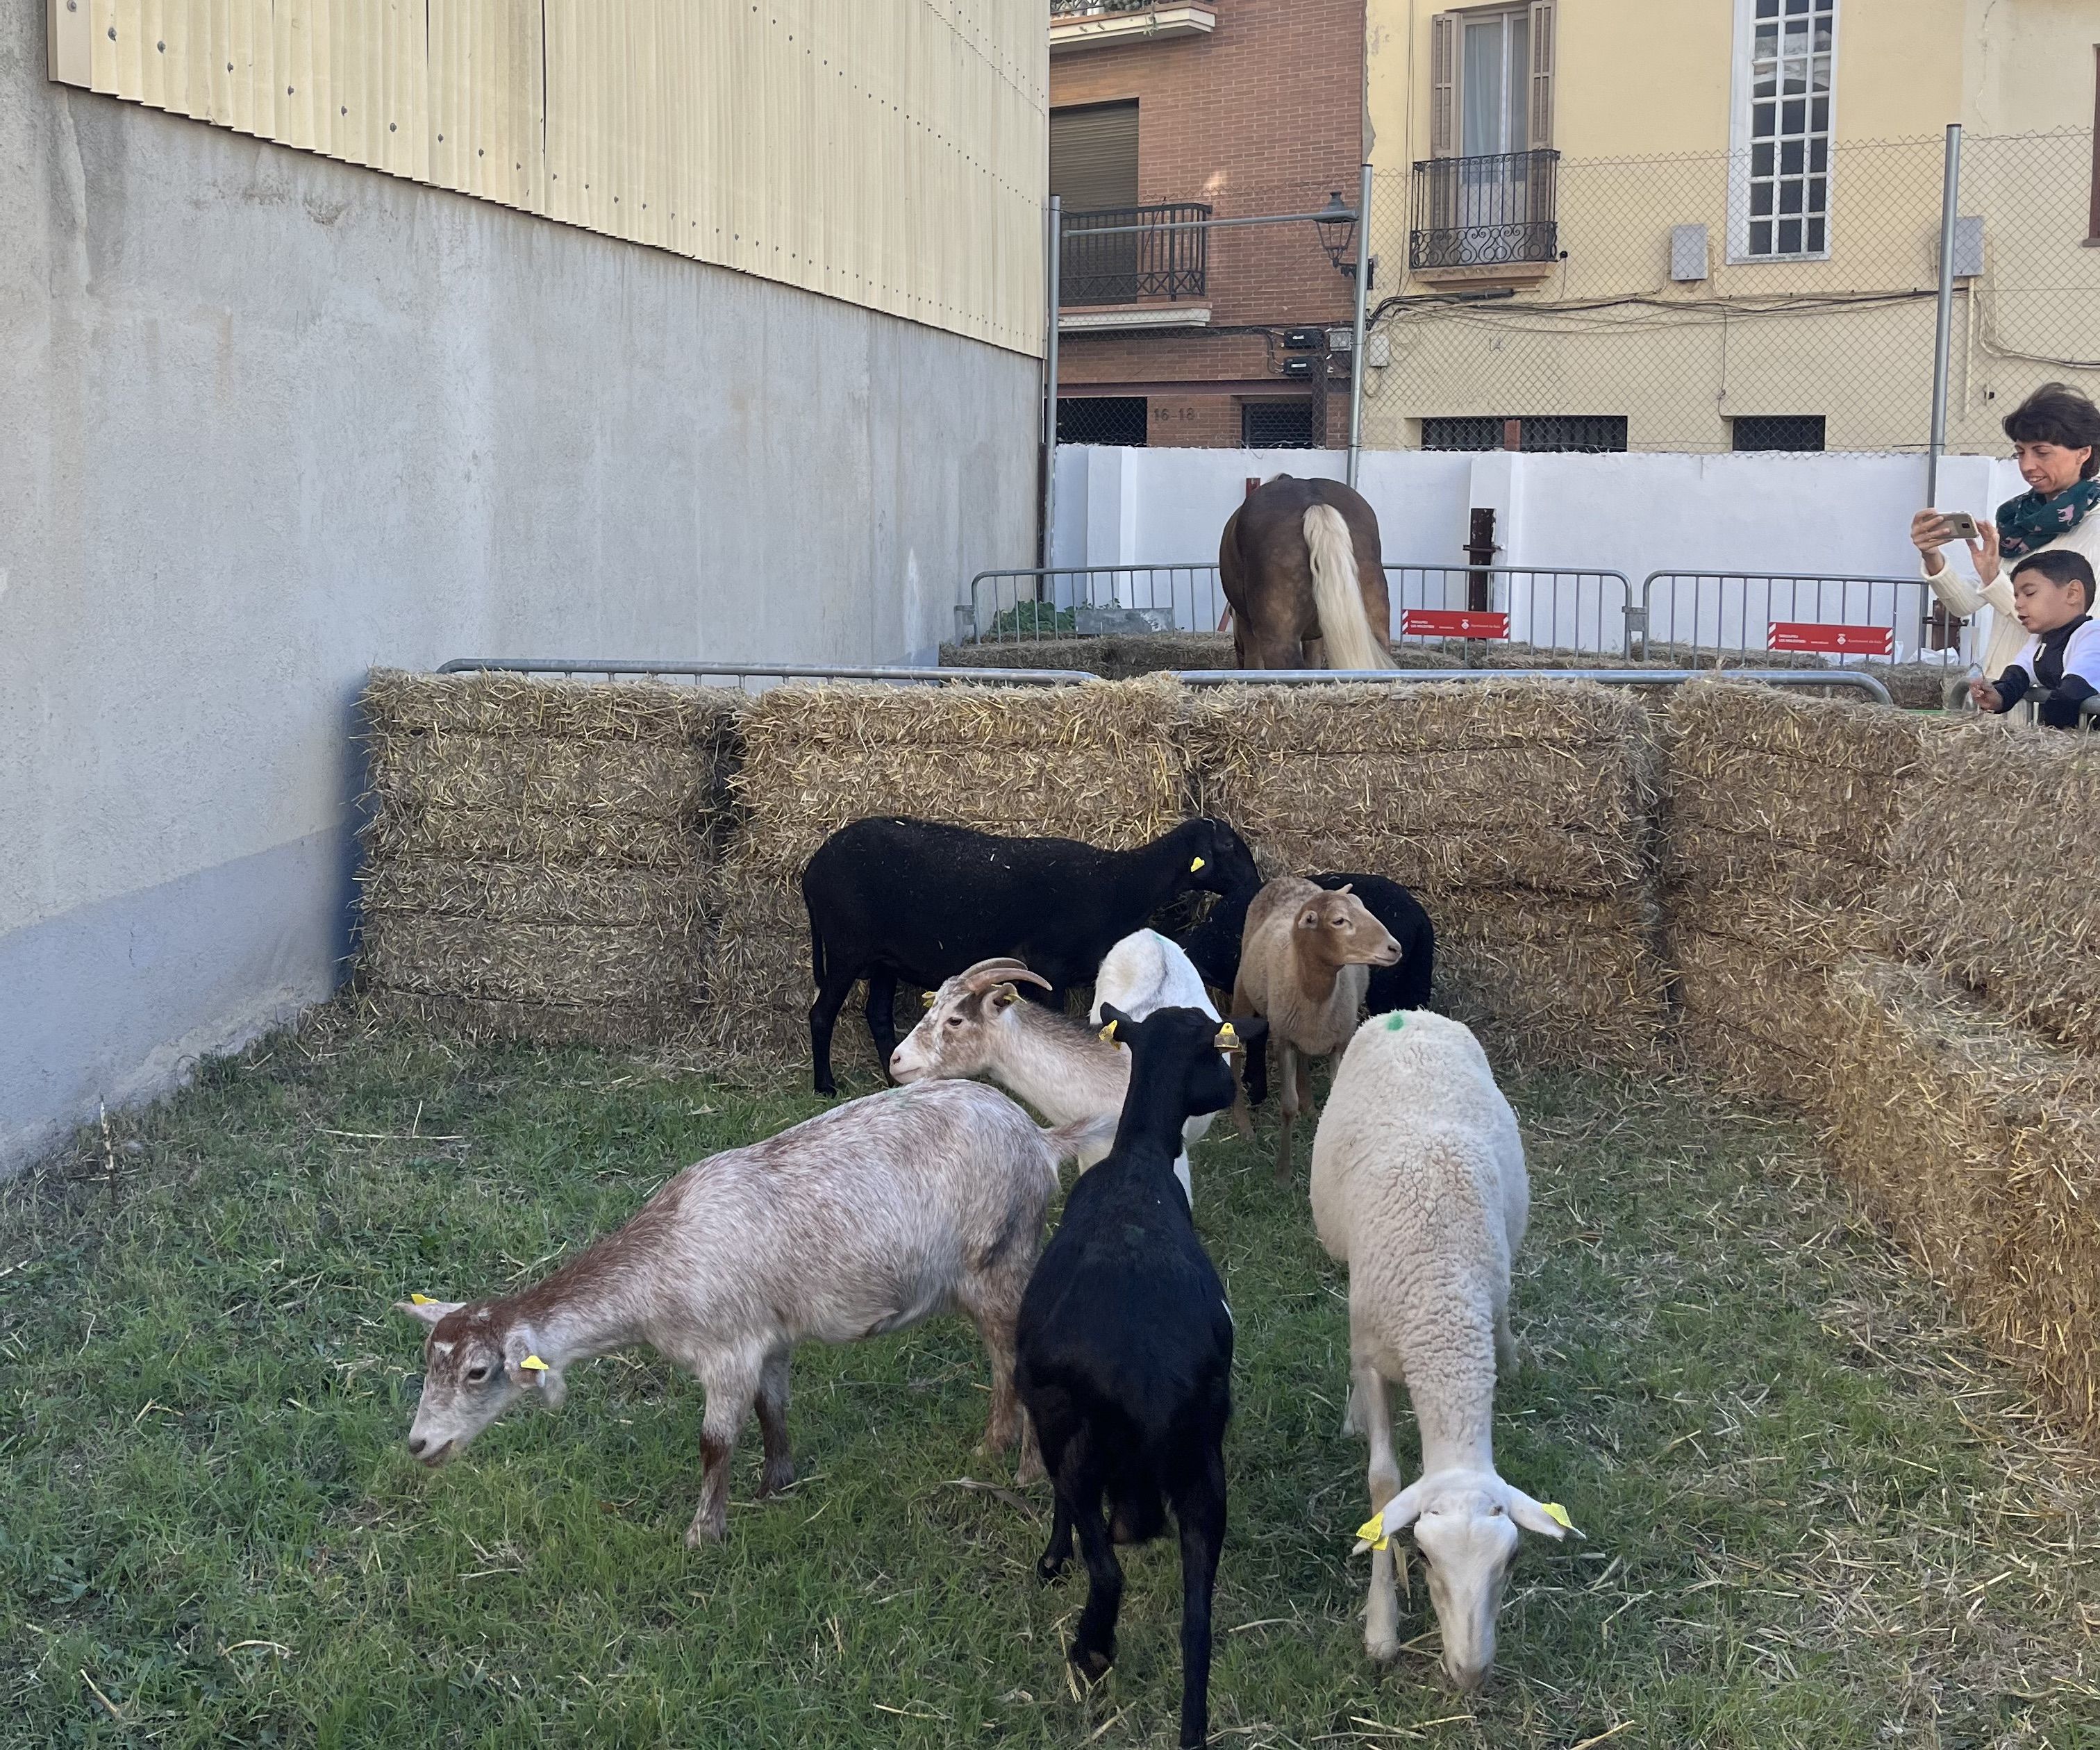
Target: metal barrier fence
point(1849, 679)
point(1829, 615)
point(1453, 608)
point(743, 675)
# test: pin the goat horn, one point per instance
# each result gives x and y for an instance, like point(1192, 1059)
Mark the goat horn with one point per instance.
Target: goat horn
point(988, 973)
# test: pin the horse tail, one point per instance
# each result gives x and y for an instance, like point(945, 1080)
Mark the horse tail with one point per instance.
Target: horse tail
point(1337, 596)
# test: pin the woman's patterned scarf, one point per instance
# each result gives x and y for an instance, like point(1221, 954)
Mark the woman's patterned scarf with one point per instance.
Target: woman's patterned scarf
point(2031, 521)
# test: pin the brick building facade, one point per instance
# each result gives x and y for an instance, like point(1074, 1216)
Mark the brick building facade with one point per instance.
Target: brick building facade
point(1244, 107)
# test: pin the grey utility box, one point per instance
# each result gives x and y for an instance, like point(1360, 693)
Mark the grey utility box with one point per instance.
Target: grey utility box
point(1687, 253)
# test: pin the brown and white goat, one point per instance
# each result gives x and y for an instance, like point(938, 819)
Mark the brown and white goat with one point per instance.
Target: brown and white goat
point(864, 1220)
point(976, 1024)
point(1305, 960)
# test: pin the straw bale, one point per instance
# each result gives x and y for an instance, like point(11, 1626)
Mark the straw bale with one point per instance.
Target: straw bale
point(499, 893)
point(1544, 785)
point(524, 963)
point(1991, 875)
point(397, 702)
point(539, 837)
point(1979, 1144)
point(1100, 763)
point(1757, 1020)
point(1553, 980)
point(755, 976)
point(672, 781)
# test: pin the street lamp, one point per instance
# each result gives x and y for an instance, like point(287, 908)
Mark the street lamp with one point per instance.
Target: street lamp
point(1337, 225)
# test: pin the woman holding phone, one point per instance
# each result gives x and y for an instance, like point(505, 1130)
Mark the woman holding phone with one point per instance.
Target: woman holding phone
point(2056, 441)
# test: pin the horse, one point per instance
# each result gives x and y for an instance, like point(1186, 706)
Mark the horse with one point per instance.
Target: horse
point(1300, 565)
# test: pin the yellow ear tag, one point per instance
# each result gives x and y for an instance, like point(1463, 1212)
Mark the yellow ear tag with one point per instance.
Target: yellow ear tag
point(421, 1300)
point(1558, 1513)
point(1196, 866)
point(1108, 1033)
point(533, 1365)
point(1372, 1531)
point(926, 1000)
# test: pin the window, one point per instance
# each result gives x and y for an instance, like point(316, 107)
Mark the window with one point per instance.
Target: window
point(1540, 434)
point(1093, 157)
point(1277, 425)
point(1101, 419)
point(1590, 433)
point(1778, 431)
point(1464, 432)
point(1491, 81)
point(1780, 174)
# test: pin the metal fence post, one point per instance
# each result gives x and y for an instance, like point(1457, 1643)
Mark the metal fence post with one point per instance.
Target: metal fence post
point(1357, 345)
point(1950, 201)
point(1050, 383)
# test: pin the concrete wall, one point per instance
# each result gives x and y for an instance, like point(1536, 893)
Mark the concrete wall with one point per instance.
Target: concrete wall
point(266, 420)
point(1634, 513)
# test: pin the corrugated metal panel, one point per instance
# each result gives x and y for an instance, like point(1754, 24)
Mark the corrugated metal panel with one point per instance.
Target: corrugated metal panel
point(892, 153)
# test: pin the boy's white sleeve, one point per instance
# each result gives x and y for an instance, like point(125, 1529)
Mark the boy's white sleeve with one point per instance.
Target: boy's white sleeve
point(2081, 656)
point(2026, 659)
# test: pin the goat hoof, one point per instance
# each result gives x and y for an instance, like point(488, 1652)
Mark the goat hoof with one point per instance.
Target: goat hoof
point(1092, 1663)
point(1030, 1471)
point(704, 1531)
point(1049, 1570)
point(779, 1474)
point(1382, 1648)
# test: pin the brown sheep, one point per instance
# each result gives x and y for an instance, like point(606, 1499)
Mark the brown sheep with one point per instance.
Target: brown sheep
point(1304, 963)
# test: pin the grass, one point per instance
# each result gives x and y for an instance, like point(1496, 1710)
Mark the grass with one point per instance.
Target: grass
point(1816, 1516)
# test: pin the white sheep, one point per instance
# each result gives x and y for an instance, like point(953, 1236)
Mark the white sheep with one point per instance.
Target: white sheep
point(977, 1024)
point(1419, 1188)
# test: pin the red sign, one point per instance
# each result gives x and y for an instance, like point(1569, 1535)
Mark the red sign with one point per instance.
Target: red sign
point(1444, 623)
point(1842, 640)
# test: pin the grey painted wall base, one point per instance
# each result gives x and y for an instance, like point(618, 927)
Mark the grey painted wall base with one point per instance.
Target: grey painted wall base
point(267, 421)
point(118, 1001)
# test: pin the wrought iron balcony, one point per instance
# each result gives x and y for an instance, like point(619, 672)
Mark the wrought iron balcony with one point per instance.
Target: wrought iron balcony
point(1485, 212)
point(1103, 262)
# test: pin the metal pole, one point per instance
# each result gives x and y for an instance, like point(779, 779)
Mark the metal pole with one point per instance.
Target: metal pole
point(1050, 387)
point(1950, 201)
point(1357, 345)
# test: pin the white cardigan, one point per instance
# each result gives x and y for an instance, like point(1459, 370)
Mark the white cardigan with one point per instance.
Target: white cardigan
point(2005, 634)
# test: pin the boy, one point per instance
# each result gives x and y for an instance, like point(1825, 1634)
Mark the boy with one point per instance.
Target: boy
point(2060, 662)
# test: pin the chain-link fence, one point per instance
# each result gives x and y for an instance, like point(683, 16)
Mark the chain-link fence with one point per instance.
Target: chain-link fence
point(1781, 298)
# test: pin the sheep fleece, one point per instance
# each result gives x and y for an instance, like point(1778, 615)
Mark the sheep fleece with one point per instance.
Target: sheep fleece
point(1419, 1187)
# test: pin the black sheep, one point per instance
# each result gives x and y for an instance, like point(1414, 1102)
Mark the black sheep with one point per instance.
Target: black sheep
point(1124, 1352)
point(892, 899)
point(1213, 947)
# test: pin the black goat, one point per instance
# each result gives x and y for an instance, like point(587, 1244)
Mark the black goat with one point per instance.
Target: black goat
point(1124, 1351)
point(1213, 947)
point(892, 899)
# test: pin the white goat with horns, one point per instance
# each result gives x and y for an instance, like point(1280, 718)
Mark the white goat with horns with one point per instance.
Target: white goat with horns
point(976, 1024)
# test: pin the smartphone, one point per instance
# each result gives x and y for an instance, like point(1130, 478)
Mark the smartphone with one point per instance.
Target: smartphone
point(1960, 524)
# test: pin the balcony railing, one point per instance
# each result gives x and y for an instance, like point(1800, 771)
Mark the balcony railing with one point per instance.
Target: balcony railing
point(1078, 8)
point(1103, 263)
point(1487, 212)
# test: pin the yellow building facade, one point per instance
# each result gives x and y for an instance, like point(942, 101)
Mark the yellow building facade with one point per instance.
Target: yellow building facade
point(1715, 224)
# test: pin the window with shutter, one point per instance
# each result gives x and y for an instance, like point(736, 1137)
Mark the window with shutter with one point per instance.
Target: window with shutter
point(1443, 85)
point(1093, 157)
point(1541, 73)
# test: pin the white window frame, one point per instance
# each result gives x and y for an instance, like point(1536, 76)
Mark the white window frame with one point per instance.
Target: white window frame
point(1741, 80)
